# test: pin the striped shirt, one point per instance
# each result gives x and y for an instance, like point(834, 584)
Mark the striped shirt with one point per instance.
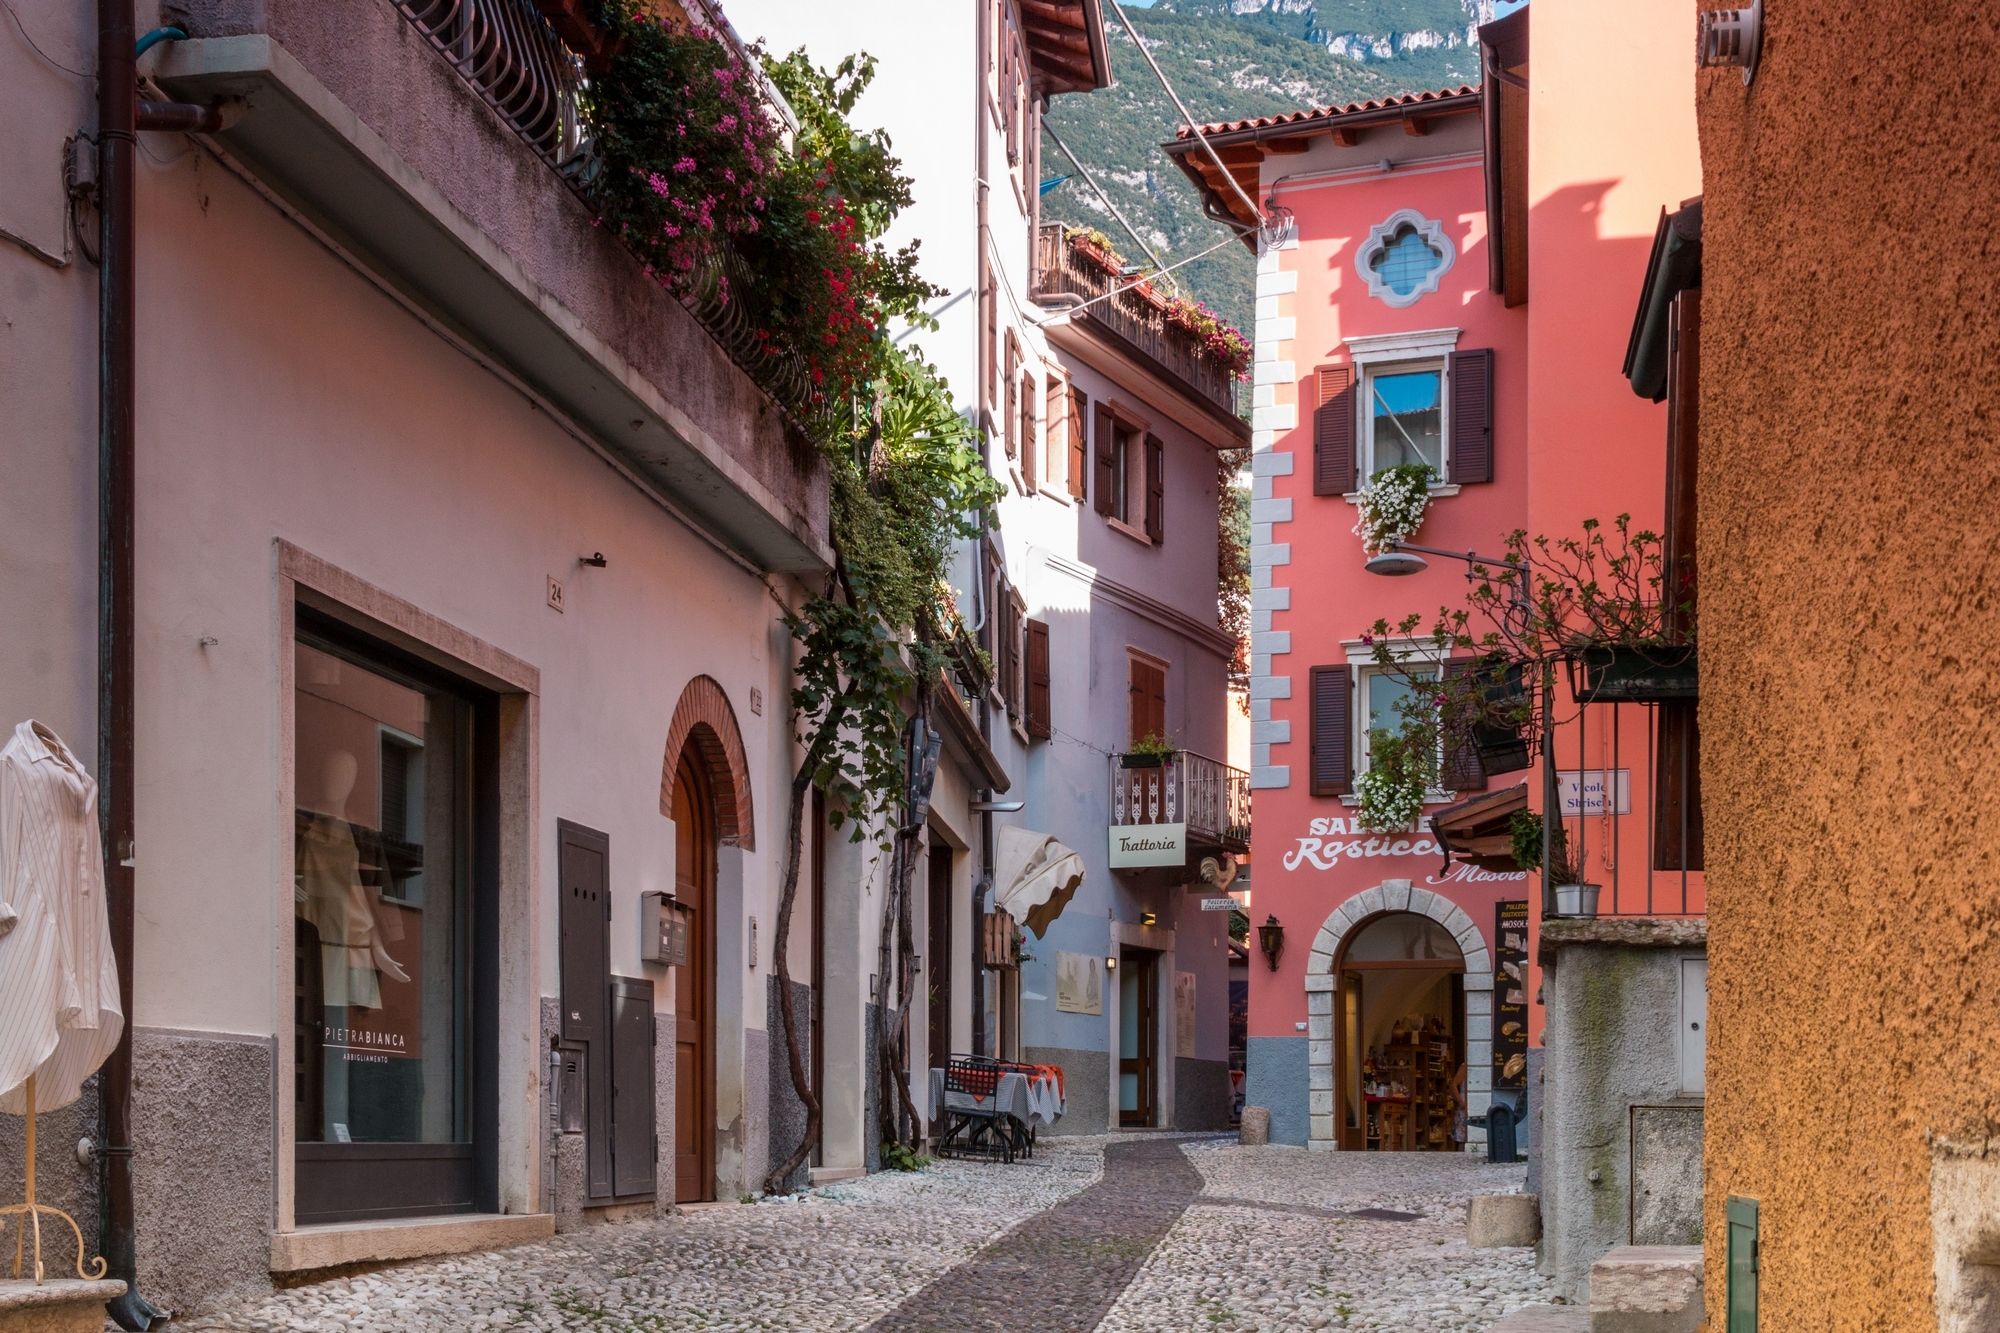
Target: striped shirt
point(59, 1012)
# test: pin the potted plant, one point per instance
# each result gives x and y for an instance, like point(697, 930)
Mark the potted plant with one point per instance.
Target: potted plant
point(1390, 507)
point(1150, 751)
point(1496, 711)
point(1572, 896)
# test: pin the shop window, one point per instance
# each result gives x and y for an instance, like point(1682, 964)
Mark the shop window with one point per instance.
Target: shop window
point(392, 880)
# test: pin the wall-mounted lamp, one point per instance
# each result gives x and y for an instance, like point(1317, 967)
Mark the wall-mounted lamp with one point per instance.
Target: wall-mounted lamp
point(595, 560)
point(1149, 918)
point(1271, 941)
point(1733, 38)
point(999, 807)
point(1111, 962)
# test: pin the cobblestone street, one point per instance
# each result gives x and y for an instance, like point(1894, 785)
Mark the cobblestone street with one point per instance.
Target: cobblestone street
point(1126, 1233)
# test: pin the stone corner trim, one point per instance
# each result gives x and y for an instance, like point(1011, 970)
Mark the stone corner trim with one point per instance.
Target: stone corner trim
point(704, 717)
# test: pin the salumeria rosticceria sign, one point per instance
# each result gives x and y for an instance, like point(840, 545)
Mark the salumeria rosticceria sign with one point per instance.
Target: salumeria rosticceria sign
point(1148, 845)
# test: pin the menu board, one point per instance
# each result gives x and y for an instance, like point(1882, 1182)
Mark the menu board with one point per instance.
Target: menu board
point(1510, 995)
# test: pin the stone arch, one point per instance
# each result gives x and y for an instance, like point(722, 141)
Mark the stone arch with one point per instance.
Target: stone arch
point(704, 717)
point(1396, 895)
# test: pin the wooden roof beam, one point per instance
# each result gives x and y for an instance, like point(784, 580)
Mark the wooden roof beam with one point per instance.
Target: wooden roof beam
point(1061, 15)
point(1068, 38)
point(1416, 126)
point(1346, 136)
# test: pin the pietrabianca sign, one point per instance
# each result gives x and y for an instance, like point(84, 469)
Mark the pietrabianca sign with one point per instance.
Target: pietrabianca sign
point(1148, 845)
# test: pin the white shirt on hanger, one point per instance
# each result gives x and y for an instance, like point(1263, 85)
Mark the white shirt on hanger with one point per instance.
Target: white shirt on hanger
point(60, 1017)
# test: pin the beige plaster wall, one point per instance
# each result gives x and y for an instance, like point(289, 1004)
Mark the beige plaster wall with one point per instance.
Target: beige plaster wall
point(1850, 552)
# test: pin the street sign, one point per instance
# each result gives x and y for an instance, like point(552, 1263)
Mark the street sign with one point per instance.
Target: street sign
point(1219, 904)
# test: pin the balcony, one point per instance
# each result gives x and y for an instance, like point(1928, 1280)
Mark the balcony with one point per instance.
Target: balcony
point(435, 142)
point(1172, 811)
point(1136, 318)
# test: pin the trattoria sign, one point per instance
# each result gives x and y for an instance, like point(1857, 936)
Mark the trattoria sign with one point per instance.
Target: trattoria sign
point(1334, 839)
point(1148, 845)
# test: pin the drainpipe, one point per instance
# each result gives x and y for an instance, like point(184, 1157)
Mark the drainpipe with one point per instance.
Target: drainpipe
point(983, 879)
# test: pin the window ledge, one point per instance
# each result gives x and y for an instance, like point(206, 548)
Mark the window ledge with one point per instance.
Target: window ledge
point(1061, 495)
point(341, 1243)
point(1136, 534)
point(1438, 492)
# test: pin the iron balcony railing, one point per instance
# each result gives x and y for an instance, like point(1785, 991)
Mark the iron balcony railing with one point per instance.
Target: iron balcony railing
point(1131, 316)
point(1624, 778)
point(1207, 795)
point(513, 59)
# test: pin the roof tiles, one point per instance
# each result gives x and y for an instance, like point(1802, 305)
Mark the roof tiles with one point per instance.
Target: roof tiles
point(1329, 112)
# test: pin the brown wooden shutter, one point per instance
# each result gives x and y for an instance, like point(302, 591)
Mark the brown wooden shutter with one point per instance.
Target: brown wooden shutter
point(1029, 448)
point(1010, 652)
point(1471, 458)
point(1461, 771)
point(1156, 489)
point(1106, 478)
point(1079, 443)
point(1332, 707)
point(1055, 425)
point(1147, 683)
point(1008, 424)
point(1041, 721)
point(1333, 432)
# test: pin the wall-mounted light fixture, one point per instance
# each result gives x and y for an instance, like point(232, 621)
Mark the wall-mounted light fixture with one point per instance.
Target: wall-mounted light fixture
point(1149, 918)
point(1271, 941)
point(1111, 962)
point(1732, 38)
point(595, 560)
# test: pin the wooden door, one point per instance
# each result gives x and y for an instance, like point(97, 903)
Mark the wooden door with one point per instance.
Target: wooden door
point(1351, 1108)
point(937, 958)
point(583, 868)
point(1138, 1035)
point(694, 988)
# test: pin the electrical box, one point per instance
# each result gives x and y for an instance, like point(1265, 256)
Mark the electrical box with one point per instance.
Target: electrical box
point(663, 930)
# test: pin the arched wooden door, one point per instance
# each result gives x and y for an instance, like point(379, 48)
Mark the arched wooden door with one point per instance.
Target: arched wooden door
point(694, 985)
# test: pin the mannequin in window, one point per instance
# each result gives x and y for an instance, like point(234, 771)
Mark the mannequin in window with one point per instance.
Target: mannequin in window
point(332, 897)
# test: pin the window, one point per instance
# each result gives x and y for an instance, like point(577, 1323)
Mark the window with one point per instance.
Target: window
point(1056, 428)
point(1146, 682)
point(1010, 412)
point(391, 877)
point(1382, 689)
point(1128, 474)
point(1079, 442)
point(1131, 476)
point(1404, 258)
point(1030, 447)
point(1403, 416)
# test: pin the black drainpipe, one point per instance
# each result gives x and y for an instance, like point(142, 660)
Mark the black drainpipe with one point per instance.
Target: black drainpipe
point(119, 117)
point(984, 879)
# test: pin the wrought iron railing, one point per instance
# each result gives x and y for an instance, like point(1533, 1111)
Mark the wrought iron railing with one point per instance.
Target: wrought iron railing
point(513, 59)
point(1207, 795)
point(1131, 315)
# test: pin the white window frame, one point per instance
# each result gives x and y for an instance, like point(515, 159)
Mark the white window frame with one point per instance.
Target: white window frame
point(1361, 664)
point(1431, 230)
point(1388, 354)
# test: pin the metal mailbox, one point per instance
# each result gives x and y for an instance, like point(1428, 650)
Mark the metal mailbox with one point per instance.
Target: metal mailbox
point(663, 930)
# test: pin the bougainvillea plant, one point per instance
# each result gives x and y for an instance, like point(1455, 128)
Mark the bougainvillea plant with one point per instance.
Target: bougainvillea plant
point(1390, 506)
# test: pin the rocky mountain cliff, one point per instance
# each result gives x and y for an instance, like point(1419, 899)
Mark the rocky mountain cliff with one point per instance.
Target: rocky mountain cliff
point(1228, 59)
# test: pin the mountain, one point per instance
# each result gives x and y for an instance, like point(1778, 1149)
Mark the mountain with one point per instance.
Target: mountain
point(1229, 59)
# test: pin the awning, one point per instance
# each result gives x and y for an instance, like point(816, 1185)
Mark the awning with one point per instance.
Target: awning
point(1036, 876)
point(1674, 267)
point(1479, 831)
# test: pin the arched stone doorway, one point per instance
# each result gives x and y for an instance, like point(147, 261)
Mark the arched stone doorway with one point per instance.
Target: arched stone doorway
point(705, 791)
point(1323, 996)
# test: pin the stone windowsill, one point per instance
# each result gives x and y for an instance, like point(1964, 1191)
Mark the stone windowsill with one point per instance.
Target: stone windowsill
point(369, 1242)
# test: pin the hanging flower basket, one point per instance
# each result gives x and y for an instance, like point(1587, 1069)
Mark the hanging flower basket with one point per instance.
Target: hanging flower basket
point(1621, 673)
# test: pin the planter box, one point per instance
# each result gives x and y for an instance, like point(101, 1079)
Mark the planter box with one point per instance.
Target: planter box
point(1577, 899)
point(1142, 760)
point(1634, 675)
point(1500, 750)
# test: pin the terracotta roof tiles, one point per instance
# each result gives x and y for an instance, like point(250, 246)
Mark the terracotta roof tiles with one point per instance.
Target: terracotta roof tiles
point(1328, 112)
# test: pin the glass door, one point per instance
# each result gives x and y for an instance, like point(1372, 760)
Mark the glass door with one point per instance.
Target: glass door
point(1138, 1035)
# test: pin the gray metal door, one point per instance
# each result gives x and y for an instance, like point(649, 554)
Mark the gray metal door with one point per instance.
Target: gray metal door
point(583, 871)
point(634, 1137)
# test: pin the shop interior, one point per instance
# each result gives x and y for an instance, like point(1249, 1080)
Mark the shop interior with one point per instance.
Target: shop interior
point(1401, 1038)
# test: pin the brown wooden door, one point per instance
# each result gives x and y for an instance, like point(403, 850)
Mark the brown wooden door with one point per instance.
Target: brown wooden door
point(694, 989)
point(937, 960)
point(1138, 1037)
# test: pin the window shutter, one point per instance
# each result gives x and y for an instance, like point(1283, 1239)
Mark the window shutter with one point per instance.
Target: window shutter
point(1462, 771)
point(1106, 478)
point(1007, 414)
point(1079, 442)
point(1333, 432)
point(1156, 489)
point(1028, 446)
point(1332, 706)
point(1010, 653)
point(1040, 718)
point(1471, 417)
point(1055, 426)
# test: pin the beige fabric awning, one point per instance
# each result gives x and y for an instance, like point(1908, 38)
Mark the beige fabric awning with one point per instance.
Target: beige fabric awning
point(1035, 877)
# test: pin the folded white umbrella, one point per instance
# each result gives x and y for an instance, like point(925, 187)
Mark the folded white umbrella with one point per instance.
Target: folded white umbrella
point(1036, 877)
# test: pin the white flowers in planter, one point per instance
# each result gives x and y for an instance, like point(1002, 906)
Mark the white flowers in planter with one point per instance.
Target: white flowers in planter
point(1400, 773)
point(1392, 505)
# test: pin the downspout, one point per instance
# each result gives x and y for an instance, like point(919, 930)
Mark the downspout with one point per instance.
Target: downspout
point(120, 116)
point(983, 880)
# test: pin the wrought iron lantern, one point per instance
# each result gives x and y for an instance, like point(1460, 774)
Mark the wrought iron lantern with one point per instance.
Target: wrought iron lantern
point(1271, 941)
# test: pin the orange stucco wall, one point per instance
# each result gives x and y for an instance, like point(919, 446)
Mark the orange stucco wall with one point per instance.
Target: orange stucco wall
point(1850, 643)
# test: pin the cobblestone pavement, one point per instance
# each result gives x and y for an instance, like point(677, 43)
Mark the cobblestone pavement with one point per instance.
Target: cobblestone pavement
point(1151, 1232)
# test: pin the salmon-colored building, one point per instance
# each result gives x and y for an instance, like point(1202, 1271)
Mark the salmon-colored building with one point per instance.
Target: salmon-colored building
point(1398, 245)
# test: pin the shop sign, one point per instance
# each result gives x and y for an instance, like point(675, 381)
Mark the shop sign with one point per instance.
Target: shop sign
point(1333, 839)
point(1148, 845)
point(1219, 904)
point(1594, 791)
point(1510, 995)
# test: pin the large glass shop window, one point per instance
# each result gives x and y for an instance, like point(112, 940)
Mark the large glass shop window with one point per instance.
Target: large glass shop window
point(382, 902)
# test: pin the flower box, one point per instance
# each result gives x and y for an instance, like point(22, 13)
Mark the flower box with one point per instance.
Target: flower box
point(1501, 749)
point(1616, 673)
point(1140, 760)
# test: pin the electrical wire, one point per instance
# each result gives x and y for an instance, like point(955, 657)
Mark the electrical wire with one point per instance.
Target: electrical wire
point(1194, 126)
point(1068, 310)
point(51, 60)
point(1091, 181)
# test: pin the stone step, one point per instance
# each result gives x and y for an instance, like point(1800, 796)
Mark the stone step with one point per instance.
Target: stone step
point(1646, 1289)
point(1545, 1319)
